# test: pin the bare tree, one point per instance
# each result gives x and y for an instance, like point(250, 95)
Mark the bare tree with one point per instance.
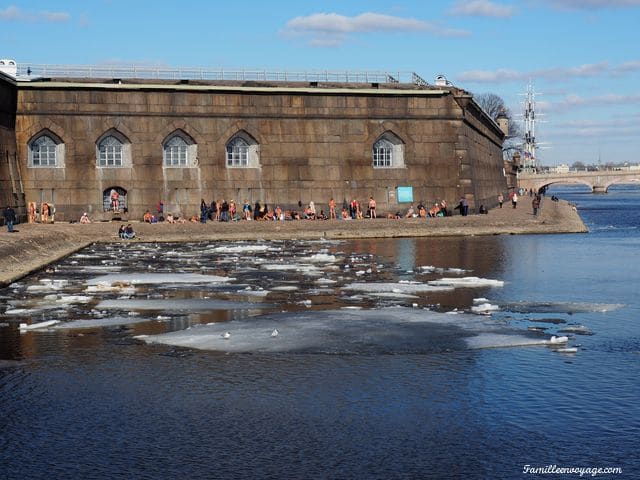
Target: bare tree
point(494, 105)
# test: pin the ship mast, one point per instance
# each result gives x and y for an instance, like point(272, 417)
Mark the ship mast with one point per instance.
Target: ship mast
point(530, 160)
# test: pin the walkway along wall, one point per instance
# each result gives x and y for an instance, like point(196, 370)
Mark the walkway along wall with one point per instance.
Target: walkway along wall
point(278, 143)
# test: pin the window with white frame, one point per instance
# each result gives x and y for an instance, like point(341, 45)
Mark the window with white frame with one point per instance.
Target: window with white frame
point(242, 152)
point(179, 151)
point(45, 151)
point(388, 152)
point(383, 153)
point(238, 153)
point(175, 152)
point(110, 152)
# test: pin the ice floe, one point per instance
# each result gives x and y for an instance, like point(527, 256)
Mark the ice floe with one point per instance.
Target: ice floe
point(100, 322)
point(176, 304)
point(576, 329)
point(485, 308)
point(394, 330)
point(559, 307)
point(396, 287)
point(286, 288)
point(156, 278)
point(47, 285)
point(108, 287)
point(38, 326)
point(467, 282)
point(245, 248)
point(321, 258)
point(566, 350)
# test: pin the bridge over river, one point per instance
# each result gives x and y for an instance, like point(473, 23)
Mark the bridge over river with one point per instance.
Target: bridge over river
point(598, 181)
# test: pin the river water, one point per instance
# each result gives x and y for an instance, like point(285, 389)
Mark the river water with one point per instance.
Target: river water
point(403, 358)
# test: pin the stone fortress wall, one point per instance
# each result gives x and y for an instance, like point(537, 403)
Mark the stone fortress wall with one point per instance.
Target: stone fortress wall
point(309, 142)
point(11, 188)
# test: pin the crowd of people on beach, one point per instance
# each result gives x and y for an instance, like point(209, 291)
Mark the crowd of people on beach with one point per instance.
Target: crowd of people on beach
point(230, 211)
point(223, 211)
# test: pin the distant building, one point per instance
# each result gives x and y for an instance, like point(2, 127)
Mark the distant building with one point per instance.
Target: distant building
point(72, 142)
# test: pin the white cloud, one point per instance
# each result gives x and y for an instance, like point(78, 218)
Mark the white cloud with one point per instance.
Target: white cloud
point(557, 73)
point(593, 4)
point(574, 101)
point(55, 17)
point(332, 29)
point(599, 100)
point(626, 67)
point(13, 13)
point(483, 8)
point(594, 131)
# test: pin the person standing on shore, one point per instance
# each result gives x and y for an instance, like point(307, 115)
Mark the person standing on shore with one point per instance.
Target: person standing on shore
point(372, 208)
point(514, 200)
point(9, 218)
point(500, 199)
point(332, 209)
point(535, 203)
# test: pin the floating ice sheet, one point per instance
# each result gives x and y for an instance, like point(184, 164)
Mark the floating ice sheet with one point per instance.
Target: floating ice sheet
point(38, 326)
point(559, 307)
point(347, 331)
point(100, 322)
point(467, 282)
point(177, 304)
point(245, 248)
point(156, 278)
point(397, 287)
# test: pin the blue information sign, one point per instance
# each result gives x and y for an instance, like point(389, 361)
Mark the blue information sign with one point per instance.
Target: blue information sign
point(405, 194)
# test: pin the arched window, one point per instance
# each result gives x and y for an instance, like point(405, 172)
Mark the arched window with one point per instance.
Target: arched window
point(46, 151)
point(179, 151)
point(383, 153)
point(110, 151)
point(242, 151)
point(237, 153)
point(388, 152)
point(114, 199)
point(175, 152)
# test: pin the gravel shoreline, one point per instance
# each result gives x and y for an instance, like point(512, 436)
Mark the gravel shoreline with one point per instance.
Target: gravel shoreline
point(35, 246)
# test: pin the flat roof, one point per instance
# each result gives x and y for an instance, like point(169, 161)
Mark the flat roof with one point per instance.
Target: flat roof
point(248, 87)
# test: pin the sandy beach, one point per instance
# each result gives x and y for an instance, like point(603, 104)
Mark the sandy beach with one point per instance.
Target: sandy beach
point(36, 245)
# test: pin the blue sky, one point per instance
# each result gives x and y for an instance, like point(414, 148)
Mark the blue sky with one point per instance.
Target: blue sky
point(582, 56)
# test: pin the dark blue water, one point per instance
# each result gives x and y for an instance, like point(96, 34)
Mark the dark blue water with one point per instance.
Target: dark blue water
point(97, 403)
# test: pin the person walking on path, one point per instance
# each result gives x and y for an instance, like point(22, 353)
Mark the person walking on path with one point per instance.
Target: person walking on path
point(535, 203)
point(500, 200)
point(9, 218)
point(514, 200)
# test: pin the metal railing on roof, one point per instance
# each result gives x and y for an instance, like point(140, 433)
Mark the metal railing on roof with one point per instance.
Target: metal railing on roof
point(221, 74)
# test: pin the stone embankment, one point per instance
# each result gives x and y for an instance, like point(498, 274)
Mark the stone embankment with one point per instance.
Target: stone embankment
point(36, 245)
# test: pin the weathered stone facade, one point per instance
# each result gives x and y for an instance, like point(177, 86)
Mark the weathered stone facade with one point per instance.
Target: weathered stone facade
point(11, 188)
point(311, 142)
